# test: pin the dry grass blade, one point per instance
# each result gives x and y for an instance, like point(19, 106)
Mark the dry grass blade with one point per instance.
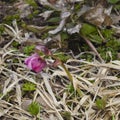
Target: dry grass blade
point(46, 79)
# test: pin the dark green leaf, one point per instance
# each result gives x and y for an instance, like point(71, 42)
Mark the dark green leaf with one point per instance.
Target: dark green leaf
point(64, 36)
point(54, 20)
point(87, 29)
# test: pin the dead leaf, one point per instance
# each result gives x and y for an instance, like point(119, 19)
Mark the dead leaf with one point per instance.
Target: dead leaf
point(98, 16)
point(115, 18)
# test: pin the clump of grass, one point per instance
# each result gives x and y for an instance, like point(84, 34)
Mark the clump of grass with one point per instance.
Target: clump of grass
point(31, 2)
point(34, 108)
point(66, 115)
point(15, 44)
point(112, 46)
point(9, 18)
point(28, 86)
point(28, 49)
point(101, 103)
point(61, 56)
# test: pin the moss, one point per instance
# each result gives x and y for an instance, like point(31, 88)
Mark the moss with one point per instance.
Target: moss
point(63, 57)
point(9, 18)
point(15, 44)
point(1, 29)
point(107, 33)
point(34, 108)
point(32, 3)
point(101, 103)
point(112, 46)
point(28, 86)
point(29, 49)
point(34, 14)
point(66, 115)
point(44, 35)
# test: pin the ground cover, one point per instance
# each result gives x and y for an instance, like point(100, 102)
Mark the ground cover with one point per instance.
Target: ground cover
point(59, 60)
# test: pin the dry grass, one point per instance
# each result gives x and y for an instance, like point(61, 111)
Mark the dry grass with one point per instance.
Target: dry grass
point(91, 80)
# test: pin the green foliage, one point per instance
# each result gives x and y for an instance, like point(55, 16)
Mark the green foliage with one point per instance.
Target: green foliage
point(112, 46)
point(31, 2)
point(44, 35)
point(36, 12)
point(1, 29)
point(110, 43)
point(64, 36)
point(33, 14)
point(117, 7)
point(9, 18)
point(87, 29)
point(72, 91)
point(28, 86)
point(77, 7)
point(66, 115)
point(54, 20)
point(70, 88)
point(113, 117)
point(95, 38)
point(113, 1)
point(91, 32)
point(87, 56)
point(28, 49)
point(101, 103)
point(63, 57)
point(107, 33)
point(15, 44)
point(34, 108)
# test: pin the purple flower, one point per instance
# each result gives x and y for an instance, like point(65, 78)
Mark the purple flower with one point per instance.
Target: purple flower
point(35, 63)
point(43, 49)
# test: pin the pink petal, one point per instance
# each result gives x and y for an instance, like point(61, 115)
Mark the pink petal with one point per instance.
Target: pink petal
point(35, 63)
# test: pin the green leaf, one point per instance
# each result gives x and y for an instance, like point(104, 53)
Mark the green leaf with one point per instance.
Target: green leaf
point(64, 36)
point(54, 20)
point(88, 29)
point(34, 108)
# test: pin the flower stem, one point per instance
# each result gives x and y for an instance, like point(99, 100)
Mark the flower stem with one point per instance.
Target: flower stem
point(67, 72)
